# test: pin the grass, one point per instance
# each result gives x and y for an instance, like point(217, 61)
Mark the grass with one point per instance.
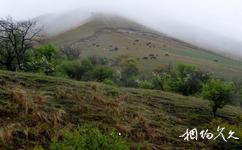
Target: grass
point(36, 108)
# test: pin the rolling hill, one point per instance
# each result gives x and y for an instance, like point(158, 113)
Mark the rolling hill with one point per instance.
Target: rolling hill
point(111, 36)
point(36, 108)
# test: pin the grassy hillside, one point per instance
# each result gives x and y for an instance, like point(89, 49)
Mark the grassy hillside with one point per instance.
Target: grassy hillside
point(108, 36)
point(36, 108)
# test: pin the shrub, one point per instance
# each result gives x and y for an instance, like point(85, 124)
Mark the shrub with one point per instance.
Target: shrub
point(218, 93)
point(40, 65)
point(101, 73)
point(186, 79)
point(145, 84)
point(42, 59)
point(72, 69)
point(48, 51)
point(172, 84)
point(129, 72)
point(158, 80)
point(88, 137)
point(87, 65)
point(109, 82)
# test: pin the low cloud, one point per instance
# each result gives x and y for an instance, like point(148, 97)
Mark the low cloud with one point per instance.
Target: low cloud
point(215, 25)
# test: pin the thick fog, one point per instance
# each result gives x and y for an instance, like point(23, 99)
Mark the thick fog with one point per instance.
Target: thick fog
point(212, 24)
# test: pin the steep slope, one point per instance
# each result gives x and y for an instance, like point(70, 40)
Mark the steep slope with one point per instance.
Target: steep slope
point(112, 36)
point(35, 108)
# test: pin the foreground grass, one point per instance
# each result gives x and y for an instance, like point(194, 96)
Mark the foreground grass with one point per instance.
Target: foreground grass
point(34, 109)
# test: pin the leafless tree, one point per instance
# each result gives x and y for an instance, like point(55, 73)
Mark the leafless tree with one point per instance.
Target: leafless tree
point(16, 38)
point(70, 52)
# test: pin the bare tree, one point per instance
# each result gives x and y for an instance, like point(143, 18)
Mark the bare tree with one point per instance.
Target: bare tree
point(7, 56)
point(16, 38)
point(70, 52)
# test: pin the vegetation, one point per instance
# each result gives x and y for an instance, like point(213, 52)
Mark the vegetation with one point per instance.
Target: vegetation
point(45, 110)
point(129, 71)
point(185, 79)
point(41, 108)
point(88, 138)
point(220, 143)
point(42, 60)
point(218, 93)
point(16, 39)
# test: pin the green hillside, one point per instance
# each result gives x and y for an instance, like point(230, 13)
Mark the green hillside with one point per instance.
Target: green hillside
point(111, 36)
point(36, 108)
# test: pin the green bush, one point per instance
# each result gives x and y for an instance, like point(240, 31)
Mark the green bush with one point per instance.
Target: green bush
point(100, 73)
point(145, 84)
point(185, 79)
point(72, 69)
point(40, 65)
point(158, 80)
point(49, 51)
point(88, 137)
point(218, 93)
point(172, 84)
point(42, 59)
point(109, 82)
point(129, 72)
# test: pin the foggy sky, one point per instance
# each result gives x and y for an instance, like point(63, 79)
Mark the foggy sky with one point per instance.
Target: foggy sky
point(213, 24)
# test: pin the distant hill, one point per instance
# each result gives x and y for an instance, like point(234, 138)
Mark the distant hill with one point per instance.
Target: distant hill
point(111, 36)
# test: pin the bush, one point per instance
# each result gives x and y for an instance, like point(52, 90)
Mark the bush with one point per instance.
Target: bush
point(72, 69)
point(109, 82)
point(87, 65)
point(172, 84)
point(101, 73)
point(158, 80)
point(40, 65)
point(48, 51)
point(129, 72)
point(145, 84)
point(42, 59)
point(88, 138)
point(186, 79)
point(218, 93)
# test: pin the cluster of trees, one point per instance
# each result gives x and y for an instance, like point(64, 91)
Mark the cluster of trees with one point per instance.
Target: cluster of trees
point(184, 79)
point(123, 73)
point(189, 80)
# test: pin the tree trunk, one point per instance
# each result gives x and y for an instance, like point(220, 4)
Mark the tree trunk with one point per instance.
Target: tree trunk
point(215, 112)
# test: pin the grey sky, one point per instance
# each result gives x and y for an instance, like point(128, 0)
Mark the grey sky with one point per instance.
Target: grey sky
point(191, 20)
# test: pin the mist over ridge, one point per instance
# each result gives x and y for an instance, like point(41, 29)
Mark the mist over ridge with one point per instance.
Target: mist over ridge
point(55, 24)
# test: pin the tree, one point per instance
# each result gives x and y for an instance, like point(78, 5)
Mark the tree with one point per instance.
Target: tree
point(218, 93)
point(185, 79)
point(129, 70)
point(42, 59)
point(72, 69)
point(49, 51)
point(16, 38)
point(70, 52)
point(7, 56)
